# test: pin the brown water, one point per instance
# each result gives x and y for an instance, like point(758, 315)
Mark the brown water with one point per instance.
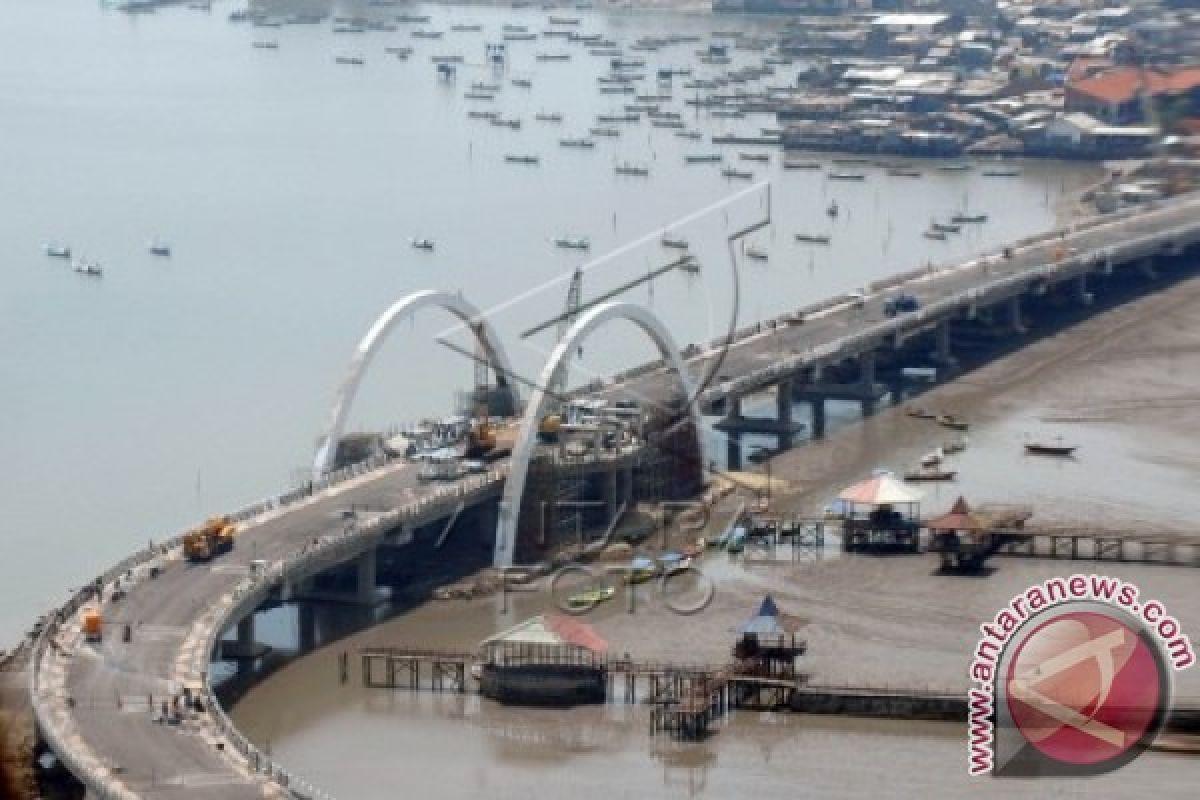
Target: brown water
point(1122, 386)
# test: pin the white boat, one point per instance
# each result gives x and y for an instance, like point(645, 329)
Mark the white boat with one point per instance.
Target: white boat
point(159, 248)
point(573, 242)
point(422, 244)
point(88, 268)
point(678, 244)
point(58, 251)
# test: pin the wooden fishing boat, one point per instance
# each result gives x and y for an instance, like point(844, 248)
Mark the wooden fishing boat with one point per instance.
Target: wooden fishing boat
point(952, 422)
point(929, 474)
point(584, 601)
point(1048, 449)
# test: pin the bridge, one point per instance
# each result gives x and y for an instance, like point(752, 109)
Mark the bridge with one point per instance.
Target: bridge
point(95, 703)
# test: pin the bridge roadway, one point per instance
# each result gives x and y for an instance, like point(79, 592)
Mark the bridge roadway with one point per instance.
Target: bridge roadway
point(92, 702)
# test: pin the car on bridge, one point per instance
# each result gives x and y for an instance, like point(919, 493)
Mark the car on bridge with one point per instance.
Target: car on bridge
point(900, 304)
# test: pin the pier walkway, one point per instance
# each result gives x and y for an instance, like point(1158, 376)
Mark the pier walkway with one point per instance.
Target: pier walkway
point(95, 703)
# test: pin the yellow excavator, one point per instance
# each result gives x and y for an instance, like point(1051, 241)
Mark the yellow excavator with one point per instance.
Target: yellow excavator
point(209, 540)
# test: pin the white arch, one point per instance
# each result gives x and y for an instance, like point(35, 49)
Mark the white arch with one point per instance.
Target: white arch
point(401, 309)
point(523, 449)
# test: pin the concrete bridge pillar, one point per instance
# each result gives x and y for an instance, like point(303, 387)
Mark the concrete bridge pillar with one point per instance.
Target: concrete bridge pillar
point(783, 412)
point(1015, 321)
point(306, 624)
point(611, 494)
point(1081, 290)
point(866, 377)
point(733, 450)
point(366, 571)
point(941, 348)
point(244, 647)
point(818, 417)
point(245, 633)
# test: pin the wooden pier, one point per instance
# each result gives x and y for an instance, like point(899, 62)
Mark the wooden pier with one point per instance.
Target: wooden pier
point(403, 668)
point(1074, 544)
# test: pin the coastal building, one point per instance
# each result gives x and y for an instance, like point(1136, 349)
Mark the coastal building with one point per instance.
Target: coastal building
point(1119, 95)
point(548, 660)
point(1076, 134)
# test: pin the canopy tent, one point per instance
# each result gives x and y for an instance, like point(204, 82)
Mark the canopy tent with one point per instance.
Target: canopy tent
point(880, 490)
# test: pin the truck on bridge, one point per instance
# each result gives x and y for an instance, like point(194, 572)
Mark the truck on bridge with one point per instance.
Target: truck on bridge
point(209, 540)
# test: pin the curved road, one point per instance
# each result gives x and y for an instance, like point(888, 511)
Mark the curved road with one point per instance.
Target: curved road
point(96, 702)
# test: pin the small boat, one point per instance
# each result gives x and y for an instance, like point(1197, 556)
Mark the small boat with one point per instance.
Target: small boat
point(159, 248)
point(933, 458)
point(920, 413)
point(422, 244)
point(480, 86)
point(90, 268)
point(564, 20)
point(955, 446)
point(833, 209)
point(632, 169)
point(801, 164)
point(552, 116)
point(974, 219)
point(452, 59)
point(265, 45)
point(553, 56)
point(500, 122)
point(677, 244)
point(522, 83)
point(572, 242)
point(413, 18)
point(641, 570)
point(58, 251)
point(847, 176)
point(703, 158)
point(355, 60)
point(813, 238)
point(904, 172)
point(478, 95)
point(952, 422)
point(694, 135)
point(398, 52)
point(754, 157)
point(468, 28)
point(930, 474)
point(953, 167)
point(757, 253)
point(585, 601)
point(515, 159)
point(1001, 173)
point(576, 143)
point(943, 227)
point(421, 34)
point(1049, 449)
point(730, 172)
point(673, 563)
point(851, 160)
point(604, 132)
point(935, 235)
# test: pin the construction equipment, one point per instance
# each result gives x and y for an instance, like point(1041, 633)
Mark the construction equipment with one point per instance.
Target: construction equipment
point(93, 625)
point(209, 540)
point(550, 427)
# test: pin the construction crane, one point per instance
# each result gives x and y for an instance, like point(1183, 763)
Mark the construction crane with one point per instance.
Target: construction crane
point(574, 303)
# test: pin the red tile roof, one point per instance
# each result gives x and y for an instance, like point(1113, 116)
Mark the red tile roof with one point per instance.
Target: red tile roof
point(1123, 84)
